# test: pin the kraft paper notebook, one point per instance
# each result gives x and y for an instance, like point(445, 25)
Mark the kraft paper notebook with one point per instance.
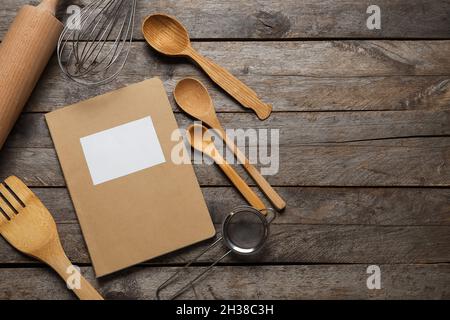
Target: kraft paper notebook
point(133, 203)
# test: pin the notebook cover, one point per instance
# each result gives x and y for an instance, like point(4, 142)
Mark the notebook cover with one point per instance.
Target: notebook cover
point(140, 216)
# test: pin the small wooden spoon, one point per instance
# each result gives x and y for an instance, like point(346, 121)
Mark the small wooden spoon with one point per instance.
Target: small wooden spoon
point(193, 98)
point(201, 141)
point(168, 36)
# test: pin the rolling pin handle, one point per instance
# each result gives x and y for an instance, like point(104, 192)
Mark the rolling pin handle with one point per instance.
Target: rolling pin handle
point(49, 5)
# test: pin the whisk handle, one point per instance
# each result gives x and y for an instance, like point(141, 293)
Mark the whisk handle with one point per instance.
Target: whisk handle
point(49, 5)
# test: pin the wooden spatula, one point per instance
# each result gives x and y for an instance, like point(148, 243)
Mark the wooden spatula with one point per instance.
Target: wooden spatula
point(29, 227)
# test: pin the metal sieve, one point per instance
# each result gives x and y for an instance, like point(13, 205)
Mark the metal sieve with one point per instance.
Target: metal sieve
point(244, 231)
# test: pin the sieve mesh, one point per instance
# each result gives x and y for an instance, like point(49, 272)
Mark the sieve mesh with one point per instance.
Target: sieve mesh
point(245, 230)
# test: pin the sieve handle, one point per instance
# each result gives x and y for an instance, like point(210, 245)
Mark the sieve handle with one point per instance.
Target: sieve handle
point(269, 213)
point(197, 278)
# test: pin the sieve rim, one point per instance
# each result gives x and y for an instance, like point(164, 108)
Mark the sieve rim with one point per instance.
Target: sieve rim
point(238, 249)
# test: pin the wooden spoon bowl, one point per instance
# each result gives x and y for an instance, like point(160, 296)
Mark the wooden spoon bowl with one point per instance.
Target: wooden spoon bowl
point(198, 138)
point(193, 98)
point(166, 34)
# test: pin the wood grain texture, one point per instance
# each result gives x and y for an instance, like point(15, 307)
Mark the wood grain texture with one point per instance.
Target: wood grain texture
point(266, 19)
point(292, 76)
point(321, 225)
point(298, 243)
point(288, 93)
point(24, 54)
point(311, 205)
point(378, 148)
point(396, 162)
point(263, 282)
point(298, 129)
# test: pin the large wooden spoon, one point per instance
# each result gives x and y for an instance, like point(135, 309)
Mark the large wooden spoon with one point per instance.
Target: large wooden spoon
point(168, 36)
point(192, 96)
point(200, 140)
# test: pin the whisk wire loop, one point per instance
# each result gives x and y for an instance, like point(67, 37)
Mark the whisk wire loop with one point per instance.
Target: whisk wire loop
point(95, 51)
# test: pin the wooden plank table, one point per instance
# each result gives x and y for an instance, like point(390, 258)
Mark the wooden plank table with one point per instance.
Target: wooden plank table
point(364, 119)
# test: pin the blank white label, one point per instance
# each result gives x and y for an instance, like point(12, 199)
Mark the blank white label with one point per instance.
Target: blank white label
point(122, 150)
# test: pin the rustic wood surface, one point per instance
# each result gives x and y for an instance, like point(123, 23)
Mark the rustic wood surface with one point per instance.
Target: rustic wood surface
point(267, 19)
point(309, 76)
point(241, 282)
point(364, 120)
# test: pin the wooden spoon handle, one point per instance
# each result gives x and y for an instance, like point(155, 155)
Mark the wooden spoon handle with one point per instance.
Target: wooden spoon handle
point(238, 90)
point(263, 184)
point(240, 184)
point(61, 264)
point(87, 291)
point(49, 5)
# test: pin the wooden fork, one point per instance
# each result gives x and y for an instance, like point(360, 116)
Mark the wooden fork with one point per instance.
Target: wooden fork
point(29, 227)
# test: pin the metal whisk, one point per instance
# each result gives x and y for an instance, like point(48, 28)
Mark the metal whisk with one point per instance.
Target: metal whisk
point(95, 43)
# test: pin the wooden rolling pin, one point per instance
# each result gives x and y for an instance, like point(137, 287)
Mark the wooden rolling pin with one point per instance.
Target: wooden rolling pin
point(24, 53)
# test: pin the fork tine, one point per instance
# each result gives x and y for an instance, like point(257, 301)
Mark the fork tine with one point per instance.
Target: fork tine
point(19, 188)
point(3, 219)
point(10, 198)
point(5, 209)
